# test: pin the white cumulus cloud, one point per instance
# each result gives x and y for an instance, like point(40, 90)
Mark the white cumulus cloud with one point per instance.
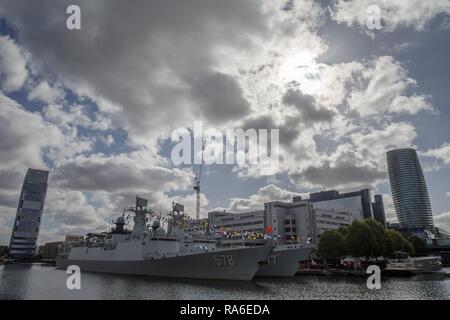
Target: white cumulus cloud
point(46, 93)
point(442, 153)
point(13, 71)
point(384, 84)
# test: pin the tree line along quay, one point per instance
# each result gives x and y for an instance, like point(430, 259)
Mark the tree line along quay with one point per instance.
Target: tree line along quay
point(368, 240)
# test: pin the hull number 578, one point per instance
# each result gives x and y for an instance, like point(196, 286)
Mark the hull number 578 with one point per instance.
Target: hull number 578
point(224, 260)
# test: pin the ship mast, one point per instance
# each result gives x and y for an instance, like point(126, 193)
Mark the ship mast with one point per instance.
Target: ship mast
point(140, 217)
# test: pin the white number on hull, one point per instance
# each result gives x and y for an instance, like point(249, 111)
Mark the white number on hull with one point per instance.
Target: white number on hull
point(224, 260)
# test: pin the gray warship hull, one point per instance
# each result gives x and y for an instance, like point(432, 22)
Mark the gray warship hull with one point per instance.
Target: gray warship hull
point(284, 261)
point(231, 264)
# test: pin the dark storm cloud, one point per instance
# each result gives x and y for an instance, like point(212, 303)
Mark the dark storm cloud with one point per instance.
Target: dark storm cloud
point(116, 174)
point(289, 131)
point(9, 199)
point(309, 113)
point(262, 122)
point(342, 174)
point(307, 106)
point(151, 59)
point(220, 98)
point(10, 179)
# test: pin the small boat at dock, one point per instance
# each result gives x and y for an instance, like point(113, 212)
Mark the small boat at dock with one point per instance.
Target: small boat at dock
point(412, 266)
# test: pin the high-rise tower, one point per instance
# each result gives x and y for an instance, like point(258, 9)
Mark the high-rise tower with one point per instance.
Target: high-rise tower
point(378, 209)
point(28, 217)
point(409, 189)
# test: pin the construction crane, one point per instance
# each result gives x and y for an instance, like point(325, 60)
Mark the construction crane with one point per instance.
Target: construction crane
point(197, 185)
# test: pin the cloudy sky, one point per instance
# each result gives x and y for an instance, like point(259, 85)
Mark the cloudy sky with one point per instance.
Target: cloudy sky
point(97, 106)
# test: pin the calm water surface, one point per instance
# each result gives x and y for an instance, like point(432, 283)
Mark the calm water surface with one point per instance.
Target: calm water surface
point(39, 281)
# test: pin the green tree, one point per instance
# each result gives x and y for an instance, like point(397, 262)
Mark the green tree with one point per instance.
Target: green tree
point(407, 246)
point(380, 237)
point(419, 245)
point(343, 231)
point(398, 242)
point(331, 245)
point(360, 240)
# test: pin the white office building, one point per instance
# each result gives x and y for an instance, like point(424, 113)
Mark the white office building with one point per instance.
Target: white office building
point(287, 222)
point(291, 222)
point(238, 222)
point(329, 219)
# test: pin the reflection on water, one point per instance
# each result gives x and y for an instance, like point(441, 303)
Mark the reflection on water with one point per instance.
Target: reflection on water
point(38, 281)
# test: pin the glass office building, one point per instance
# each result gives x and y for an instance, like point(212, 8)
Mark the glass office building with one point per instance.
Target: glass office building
point(28, 217)
point(409, 189)
point(358, 204)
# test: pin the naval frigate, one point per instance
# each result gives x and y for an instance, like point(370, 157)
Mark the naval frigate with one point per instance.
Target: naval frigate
point(155, 252)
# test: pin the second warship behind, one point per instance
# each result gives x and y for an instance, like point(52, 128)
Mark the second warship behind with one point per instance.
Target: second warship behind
point(284, 260)
point(155, 252)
